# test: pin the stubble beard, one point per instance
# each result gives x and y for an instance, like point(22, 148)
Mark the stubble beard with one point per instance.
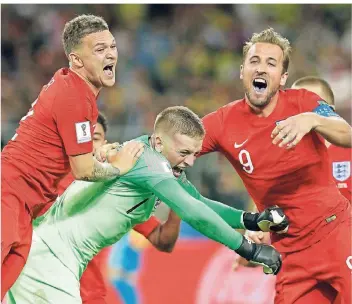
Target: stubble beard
point(260, 103)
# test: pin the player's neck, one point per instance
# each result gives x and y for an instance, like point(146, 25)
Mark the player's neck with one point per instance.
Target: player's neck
point(267, 110)
point(94, 89)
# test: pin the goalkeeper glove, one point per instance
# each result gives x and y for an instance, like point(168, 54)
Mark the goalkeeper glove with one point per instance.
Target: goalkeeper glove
point(259, 254)
point(271, 219)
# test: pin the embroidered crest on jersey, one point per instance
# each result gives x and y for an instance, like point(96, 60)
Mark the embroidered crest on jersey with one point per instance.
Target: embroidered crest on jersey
point(341, 170)
point(157, 202)
point(83, 132)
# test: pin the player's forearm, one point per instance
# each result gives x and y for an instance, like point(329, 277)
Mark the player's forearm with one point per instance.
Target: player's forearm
point(101, 172)
point(197, 214)
point(231, 216)
point(334, 129)
point(164, 237)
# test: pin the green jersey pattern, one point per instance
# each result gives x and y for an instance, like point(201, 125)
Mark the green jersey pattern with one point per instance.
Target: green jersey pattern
point(92, 215)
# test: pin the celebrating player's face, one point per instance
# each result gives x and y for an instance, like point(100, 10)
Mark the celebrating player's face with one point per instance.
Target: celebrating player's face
point(262, 73)
point(99, 57)
point(181, 151)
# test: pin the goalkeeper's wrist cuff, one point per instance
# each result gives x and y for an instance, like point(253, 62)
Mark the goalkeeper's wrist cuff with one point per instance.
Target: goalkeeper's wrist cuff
point(247, 249)
point(250, 221)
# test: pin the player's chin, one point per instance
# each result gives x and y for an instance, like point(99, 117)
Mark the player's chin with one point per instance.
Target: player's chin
point(108, 82)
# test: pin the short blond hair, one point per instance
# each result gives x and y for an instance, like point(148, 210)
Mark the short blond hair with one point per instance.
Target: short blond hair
point(319, 82)
point(270, 36)
point(179, 119)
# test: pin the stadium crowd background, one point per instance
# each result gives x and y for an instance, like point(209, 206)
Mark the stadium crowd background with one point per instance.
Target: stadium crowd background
point(173, 55)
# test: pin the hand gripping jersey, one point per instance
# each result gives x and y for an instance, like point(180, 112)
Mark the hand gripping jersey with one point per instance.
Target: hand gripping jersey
point(297, 180)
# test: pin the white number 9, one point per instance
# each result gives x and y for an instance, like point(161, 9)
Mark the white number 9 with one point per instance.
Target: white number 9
point(246, 161)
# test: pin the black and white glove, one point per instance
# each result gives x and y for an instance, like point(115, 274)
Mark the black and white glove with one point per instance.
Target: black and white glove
point(260, 254)
point(271, 219)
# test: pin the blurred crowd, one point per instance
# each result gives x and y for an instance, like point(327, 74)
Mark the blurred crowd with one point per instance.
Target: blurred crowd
point(173, 55)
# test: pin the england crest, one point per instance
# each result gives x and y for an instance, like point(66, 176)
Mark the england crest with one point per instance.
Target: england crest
point(341, 170)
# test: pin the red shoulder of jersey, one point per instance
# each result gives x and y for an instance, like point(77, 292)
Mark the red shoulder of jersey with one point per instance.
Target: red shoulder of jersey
point(214, 123)
point(74, 111)
point(305, 100)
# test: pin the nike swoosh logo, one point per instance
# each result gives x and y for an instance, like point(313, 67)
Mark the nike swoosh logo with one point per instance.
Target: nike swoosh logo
point(240, 145)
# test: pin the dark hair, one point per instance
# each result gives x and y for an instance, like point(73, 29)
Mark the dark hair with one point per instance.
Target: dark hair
point(103, 121)
point(78, 28)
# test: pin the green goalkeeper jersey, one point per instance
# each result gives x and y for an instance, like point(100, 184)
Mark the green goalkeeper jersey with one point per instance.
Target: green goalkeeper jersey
point(92, 215)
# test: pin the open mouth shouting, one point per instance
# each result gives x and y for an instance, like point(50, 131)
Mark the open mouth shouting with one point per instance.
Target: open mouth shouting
point(109, 70)
point(259, 85)
point(177, 171)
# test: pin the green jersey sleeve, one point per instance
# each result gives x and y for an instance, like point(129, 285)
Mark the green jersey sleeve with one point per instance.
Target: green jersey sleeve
point(197, 214)
point(231, 216)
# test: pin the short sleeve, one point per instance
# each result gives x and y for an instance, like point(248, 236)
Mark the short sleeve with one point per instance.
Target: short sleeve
point(147, 227)
point(75, 121)
point(213, 125)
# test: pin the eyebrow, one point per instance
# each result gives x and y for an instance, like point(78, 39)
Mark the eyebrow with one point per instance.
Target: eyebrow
point(104, 43)
point(271, 58)
point(257, 57)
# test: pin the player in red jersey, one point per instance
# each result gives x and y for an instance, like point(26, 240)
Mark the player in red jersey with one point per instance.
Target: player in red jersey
point(92, 285)
point(340, 158)
point(273, 139)
point(55, 137)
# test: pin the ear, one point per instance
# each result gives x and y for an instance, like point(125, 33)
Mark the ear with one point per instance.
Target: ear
point(158, 143)
point(241, 72)
point(75, 60)
point(283, 79)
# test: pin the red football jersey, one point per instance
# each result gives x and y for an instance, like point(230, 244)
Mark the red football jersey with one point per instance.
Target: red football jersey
point(297, 180)
point(340, 166)
point(60, 123)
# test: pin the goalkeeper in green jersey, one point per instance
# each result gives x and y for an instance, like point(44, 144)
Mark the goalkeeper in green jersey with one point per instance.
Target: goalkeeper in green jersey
point(90, 216)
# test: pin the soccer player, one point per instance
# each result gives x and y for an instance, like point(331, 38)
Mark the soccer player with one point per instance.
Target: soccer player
point(55, 137)
point(273, 138)
point(340, 158)
point(90, 216)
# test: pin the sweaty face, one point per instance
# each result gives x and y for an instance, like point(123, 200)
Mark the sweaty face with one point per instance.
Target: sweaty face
point(262, 73)
point(98, 53)
point(181, 151)
point(98, 137)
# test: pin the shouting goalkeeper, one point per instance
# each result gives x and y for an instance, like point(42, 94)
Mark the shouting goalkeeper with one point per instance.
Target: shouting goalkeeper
point(90, 216)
